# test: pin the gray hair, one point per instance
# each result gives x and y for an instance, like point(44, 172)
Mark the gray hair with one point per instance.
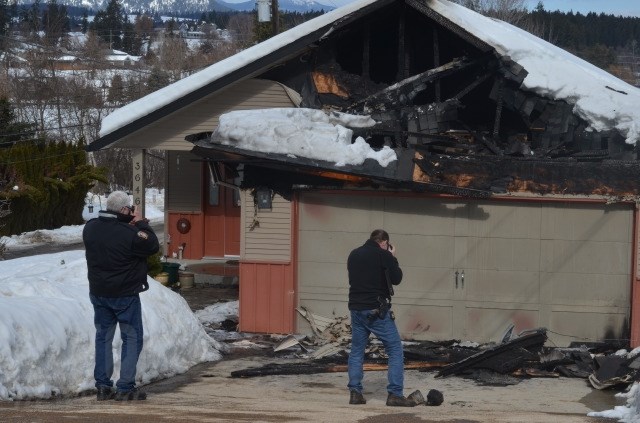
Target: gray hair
point(117, 200)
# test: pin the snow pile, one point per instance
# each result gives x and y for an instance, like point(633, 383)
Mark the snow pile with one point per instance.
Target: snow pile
point(47, 332)
point(308, 133)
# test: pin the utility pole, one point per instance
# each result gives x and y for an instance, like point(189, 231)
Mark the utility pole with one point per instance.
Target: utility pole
point(275, 17)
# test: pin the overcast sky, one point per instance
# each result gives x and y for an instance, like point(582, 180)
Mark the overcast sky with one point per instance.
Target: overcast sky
point(615, 7)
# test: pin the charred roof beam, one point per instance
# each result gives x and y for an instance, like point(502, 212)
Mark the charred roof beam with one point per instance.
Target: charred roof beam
point(402, 93)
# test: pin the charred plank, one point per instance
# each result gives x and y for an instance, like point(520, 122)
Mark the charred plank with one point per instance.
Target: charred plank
point(506, 354)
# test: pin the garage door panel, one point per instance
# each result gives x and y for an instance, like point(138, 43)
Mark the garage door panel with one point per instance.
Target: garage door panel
point(567, 326)
point(420, 282)
point(329, 247)
point(585, 257)
point(502, 286)
point(484, 323)
point(406, 216)
point(593, 290)
point(327, 276)
point(587, 222)
point(341, 213)
point(427, 321)
point(479, 219)
point(424, 251)
point(494, 253)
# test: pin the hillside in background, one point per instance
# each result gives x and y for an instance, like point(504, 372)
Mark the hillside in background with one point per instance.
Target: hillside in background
point(187, 6)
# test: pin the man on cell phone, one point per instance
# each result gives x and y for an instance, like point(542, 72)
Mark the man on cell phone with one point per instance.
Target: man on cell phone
point(373, 270)
point(117, 245)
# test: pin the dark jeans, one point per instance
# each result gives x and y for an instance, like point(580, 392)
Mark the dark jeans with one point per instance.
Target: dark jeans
point(108, 312)
point(387, 332)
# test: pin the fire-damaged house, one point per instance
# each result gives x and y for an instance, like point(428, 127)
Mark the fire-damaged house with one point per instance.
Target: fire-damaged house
point(511, 196)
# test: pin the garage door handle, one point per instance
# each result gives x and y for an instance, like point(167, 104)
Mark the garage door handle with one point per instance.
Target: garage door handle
point(457, 273)
point(462, 279)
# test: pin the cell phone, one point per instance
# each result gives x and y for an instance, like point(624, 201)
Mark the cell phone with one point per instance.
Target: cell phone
point(389, 246)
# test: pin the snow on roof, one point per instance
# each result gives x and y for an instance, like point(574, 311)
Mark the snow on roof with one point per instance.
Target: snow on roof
point(598, 97)
point(601, 99)
point(154, 101)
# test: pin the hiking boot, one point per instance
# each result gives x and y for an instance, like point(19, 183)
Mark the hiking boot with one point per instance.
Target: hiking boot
point(104, 393)
point(357, 398)
point(133, 395)
point(396, 401)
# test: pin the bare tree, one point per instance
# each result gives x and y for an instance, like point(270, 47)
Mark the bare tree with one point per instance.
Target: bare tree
point(512, 11)
point(241, 26)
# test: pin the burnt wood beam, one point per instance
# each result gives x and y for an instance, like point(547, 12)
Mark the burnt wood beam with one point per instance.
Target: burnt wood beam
point(565, 176)
point(436, 60)
point(479, 80)
point(403, 92)
point(498, 117)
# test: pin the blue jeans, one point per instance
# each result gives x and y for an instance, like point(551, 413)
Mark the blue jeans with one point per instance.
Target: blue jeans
point(108, 312)
point(385, 330)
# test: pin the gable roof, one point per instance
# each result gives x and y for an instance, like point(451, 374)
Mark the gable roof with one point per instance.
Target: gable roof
point(552, 72)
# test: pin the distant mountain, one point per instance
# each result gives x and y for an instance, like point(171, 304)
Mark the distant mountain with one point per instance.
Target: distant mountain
point(190, 6)
point(301, 6)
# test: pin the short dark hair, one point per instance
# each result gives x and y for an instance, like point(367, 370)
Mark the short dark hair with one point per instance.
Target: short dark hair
point(379, 235)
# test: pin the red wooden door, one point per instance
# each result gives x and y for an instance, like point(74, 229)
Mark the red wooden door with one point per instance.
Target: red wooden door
point(221, 220)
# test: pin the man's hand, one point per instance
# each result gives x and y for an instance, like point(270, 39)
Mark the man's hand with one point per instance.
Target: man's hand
point(136, 216)
point(392, 249)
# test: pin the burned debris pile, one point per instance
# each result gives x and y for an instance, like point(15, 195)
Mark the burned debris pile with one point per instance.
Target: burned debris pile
point(514, 359)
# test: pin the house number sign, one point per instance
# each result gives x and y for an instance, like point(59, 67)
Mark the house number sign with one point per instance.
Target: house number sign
point(138, 180)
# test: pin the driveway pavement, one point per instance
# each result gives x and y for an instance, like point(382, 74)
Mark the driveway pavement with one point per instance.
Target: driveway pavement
point(207, 393)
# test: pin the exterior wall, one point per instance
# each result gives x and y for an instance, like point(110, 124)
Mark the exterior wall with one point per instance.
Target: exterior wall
point(564, 266)
point(265, 234)
point(184, 200)
point(169, 132)
point(635, 291)
point(267, 285)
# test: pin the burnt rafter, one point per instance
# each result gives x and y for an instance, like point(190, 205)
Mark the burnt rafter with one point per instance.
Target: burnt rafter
point(403, 92)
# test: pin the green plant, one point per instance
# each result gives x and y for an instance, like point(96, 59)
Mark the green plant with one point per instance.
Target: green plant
point(154, 265)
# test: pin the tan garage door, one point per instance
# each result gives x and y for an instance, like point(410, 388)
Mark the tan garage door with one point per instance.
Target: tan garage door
point(473, 268)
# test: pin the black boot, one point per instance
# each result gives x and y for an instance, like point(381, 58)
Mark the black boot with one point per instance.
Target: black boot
point(356, 398)
point(133, 395)
point(396, 401)
point(104, 393)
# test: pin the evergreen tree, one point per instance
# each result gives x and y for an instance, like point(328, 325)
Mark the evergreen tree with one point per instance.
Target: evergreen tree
point(11, 130)
point(55, 22)
point(109, 24)
point(85, 21)
point(5, 19)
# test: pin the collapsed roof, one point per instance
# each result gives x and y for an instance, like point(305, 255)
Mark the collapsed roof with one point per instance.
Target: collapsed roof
point(453, 106)
point(471, 105)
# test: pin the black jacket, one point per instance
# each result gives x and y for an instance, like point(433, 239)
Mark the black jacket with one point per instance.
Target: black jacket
point(367, 280)
point(117, 255)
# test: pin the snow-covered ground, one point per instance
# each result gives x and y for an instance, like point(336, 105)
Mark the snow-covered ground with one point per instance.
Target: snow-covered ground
point(46, 321)
point(73, 234)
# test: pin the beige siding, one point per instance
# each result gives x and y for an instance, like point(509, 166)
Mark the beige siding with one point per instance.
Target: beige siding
point(563, 266)
point(270, 238)
point(184, 182)
point(169, 132)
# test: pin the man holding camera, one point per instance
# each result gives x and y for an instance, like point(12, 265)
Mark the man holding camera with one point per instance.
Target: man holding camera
point(117, 245)
point(373, 270)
